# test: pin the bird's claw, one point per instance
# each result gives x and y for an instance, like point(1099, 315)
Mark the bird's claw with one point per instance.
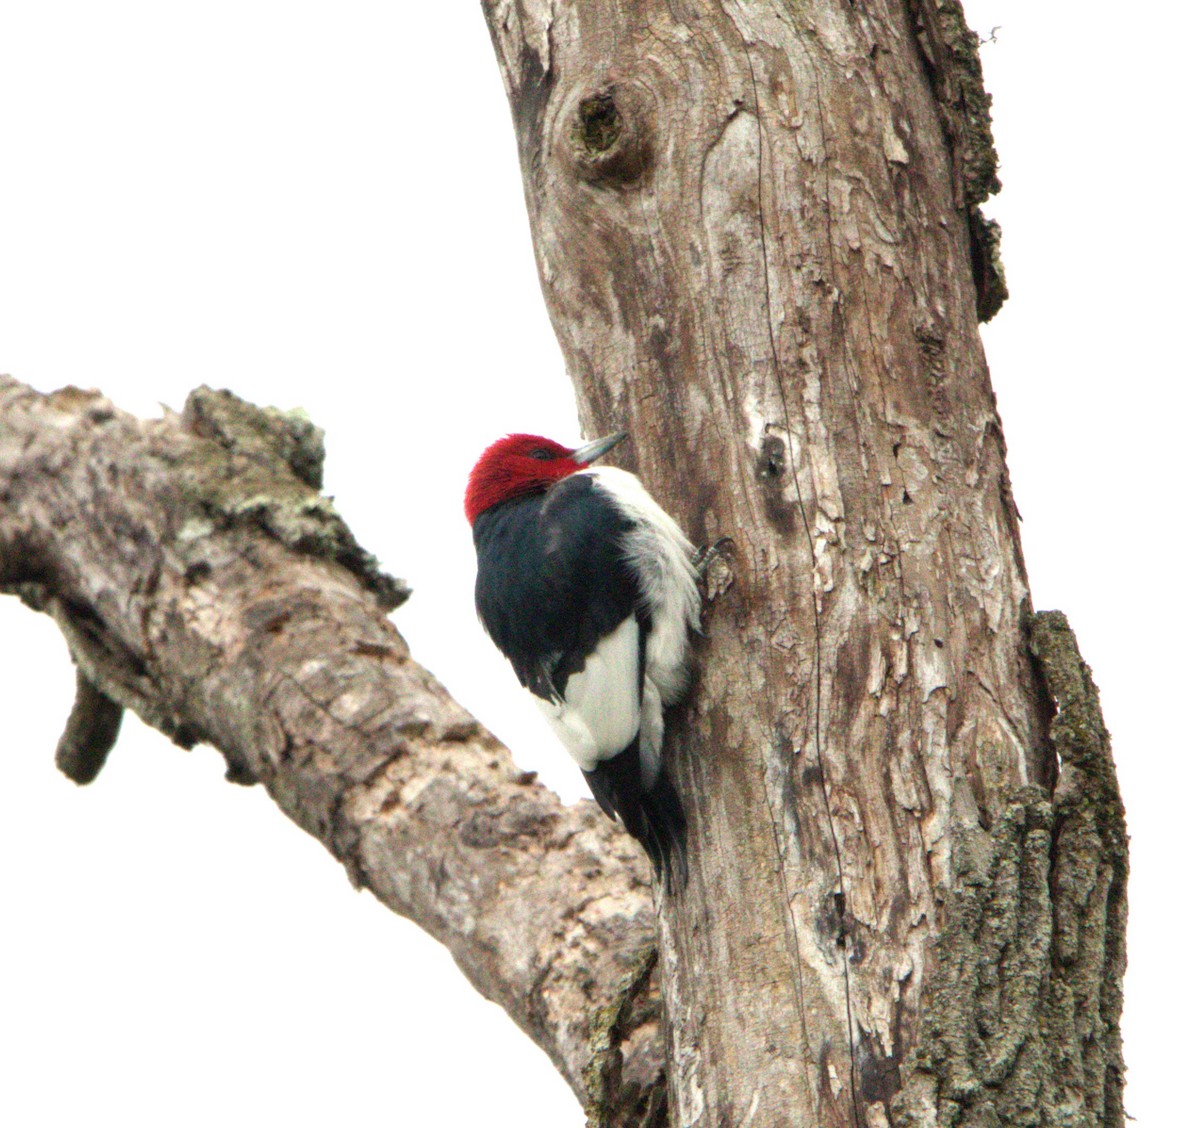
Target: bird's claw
point(706, 554)
point(715, 585)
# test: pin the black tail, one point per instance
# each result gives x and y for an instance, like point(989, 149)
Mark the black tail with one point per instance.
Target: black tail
point(655, 817)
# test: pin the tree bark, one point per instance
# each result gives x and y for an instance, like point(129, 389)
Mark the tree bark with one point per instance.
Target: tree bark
point(201, 580)
point(759, 242)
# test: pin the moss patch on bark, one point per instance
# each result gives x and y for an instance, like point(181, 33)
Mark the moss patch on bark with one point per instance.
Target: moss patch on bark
point(1021, 1016)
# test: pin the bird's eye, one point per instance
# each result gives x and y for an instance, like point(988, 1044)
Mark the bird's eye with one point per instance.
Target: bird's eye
point(542, 454)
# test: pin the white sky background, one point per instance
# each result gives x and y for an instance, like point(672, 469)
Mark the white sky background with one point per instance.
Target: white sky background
point(320, 205)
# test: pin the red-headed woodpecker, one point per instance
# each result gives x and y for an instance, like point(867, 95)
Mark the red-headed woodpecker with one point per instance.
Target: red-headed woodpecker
point(589, 590)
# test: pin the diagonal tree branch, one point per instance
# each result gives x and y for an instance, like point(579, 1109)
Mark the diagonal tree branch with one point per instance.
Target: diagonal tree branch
point(201, 580)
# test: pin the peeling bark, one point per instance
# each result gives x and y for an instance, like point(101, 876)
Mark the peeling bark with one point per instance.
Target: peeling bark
point(758, 236)
point(201, 580)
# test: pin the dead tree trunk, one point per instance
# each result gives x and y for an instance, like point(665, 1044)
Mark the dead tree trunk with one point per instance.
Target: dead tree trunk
point(758, 238)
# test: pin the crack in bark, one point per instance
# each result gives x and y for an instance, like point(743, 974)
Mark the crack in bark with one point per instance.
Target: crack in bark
point(817, 671)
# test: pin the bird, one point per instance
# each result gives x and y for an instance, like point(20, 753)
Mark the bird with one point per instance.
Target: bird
point(590, 590)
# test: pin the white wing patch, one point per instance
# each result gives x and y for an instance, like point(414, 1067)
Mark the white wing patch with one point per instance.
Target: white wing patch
point(662, 557)
point(600, 712)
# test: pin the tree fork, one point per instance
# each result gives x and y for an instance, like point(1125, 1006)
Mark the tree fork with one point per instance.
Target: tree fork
point(758, 236)
point(613, 1053)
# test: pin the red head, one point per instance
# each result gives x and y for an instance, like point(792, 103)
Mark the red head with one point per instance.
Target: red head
point(518, 465)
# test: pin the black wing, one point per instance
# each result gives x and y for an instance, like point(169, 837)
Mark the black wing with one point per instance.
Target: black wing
point(553, 579)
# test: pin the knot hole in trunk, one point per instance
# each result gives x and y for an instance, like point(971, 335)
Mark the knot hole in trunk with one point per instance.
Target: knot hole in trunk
point(609, 137)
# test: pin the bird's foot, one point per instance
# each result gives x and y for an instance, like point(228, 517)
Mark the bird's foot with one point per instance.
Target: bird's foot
point(713, 581)
point(703, 557)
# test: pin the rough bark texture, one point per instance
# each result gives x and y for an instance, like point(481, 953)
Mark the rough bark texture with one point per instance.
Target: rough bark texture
point(1021, 1025)
point(758, 238)
point(202, 580)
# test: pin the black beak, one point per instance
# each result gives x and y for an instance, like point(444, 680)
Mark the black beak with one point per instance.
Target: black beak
point(589, 452)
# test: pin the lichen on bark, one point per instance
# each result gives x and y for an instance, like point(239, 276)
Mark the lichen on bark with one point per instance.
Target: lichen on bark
point(987, 267)
point(951, 49)
point(262, 466)
point(632, 1013)
point(1020, 1021)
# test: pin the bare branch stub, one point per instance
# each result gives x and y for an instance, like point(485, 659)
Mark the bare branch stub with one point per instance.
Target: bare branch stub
point(92, 729)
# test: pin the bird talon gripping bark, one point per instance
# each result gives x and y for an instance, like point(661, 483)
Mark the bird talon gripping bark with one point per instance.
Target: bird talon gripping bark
point(703, 557)
point(590, 589)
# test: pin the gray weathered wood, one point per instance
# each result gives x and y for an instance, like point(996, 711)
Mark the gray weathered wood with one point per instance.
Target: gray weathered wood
point(202, 581)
